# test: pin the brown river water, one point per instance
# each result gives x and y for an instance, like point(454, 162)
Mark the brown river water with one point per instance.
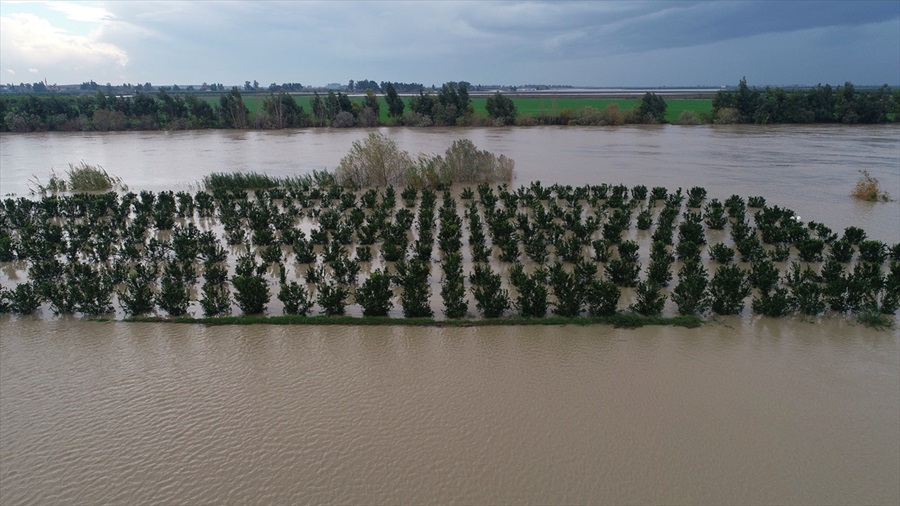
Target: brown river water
point(744, 410)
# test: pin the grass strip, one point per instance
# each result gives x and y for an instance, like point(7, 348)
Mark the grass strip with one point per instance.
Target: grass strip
point(621, 320)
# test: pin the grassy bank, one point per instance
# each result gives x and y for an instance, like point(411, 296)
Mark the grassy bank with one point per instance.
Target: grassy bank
point(621, 320)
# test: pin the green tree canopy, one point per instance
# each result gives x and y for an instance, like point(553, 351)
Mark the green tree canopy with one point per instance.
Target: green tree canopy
point(652, 107)
point(501, 109)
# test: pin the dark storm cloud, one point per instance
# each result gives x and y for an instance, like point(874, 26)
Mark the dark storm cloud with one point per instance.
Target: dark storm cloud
point(586, 43)
point(642, 26)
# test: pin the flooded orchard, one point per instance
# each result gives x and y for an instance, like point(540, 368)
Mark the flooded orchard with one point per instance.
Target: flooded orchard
point(742, 410)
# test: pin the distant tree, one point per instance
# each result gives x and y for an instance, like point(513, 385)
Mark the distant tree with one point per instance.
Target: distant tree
point(371, 101)
point(318, 109)
point(363, 84)
point(370, 109)
point(501, 109)
point(200, 113)
point(233, 112)
point(652, 107)
point(746, 101)
point(423, 104)
point(284, 112)
point(454, 103)
point(394, 102)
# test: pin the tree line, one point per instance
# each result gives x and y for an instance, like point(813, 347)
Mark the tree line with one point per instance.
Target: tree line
point(820, 104)
point(450, 105)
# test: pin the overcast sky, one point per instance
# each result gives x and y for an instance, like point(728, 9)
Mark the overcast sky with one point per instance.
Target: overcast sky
point(630, 43)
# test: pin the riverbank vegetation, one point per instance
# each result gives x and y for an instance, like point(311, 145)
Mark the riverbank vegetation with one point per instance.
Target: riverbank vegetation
point(449, 105)
point(446, 253)
point(821, 104)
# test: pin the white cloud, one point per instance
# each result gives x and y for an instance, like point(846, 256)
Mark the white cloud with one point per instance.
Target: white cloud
point(29, 41)
point(33, 70)
point(10, 71)
point(78, 12)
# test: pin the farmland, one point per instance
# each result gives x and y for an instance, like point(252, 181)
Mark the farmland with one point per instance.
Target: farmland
point(525, 105)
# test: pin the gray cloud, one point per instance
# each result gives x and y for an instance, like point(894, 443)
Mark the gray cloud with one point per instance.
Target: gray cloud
point(589, 43)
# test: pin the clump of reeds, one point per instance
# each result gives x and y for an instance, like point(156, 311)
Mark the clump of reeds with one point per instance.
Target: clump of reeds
point(867, 188)
point(55, 184)
point(83, 177)
point(238, 181)
point(232, 181)
point(92, 178)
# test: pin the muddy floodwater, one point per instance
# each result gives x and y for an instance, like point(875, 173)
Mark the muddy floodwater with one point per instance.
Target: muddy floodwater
point(738, 412)
point(744, 410)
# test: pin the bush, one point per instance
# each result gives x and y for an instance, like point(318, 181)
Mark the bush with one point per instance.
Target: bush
point(810, 250)
point(138, 297)
point(721, 253)
point(696, 195)
point(568, 291)
point(688, 118)
point(602, 298)
point(462, 163)
point(532, 298)
point(377, 161)
point(490, 299)
point(714, 215)
point(375, 294)
point(374, 161)
point(726, 116)
point(691, 295)
point(854, 235)
point(173, 297)
point(645, 219)
point(806, 293)
point(763, 274)
point(216, 299)
point(624, 270)
point(772, 302)
point(92, 290)
point(650, 299)
point(295, 298)
point(453, 290)
point(659, 271)
point(728, 288)
point(23, 299)
point(413, 278)
point(333, 298)
point(251, 293)
point(867, 188)
point(872, 251)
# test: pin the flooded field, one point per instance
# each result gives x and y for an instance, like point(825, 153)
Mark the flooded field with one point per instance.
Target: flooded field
point(810, 169)
point(744, 410)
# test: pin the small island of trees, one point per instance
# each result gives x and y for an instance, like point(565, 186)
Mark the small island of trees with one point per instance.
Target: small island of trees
point(387, 231)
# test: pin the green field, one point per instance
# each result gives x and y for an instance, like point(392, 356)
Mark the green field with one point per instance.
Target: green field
point(534, 106)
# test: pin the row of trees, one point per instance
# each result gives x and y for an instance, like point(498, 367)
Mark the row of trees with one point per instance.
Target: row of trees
point(450, 105)
point(528, 251)
point(101, 111)
point(821, 104)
